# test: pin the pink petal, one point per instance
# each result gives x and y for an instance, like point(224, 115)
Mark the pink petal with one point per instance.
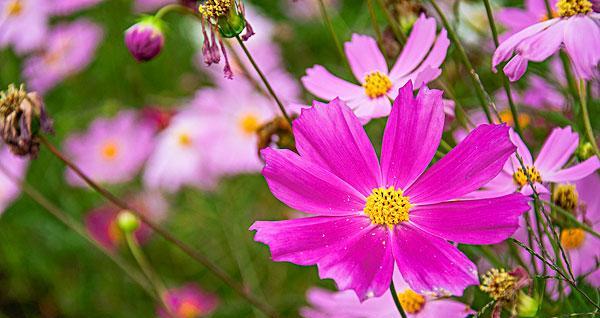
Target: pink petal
point(417, 46)
point(543, 44)
point(349, 250)
point(583, 50)
point(506, 48)
point(447, 308)
point(325, 85)
point(484, 221)
point(366, 108)
point(522, 150)
point(470, 165)
point(557, 149)
point(515, 68)
point(575, 172)
point(515, 19)
point(331, 136)
point(306, 187)
point(430, 67)
point(364, 56)
point(411, 136)
point(430, 264)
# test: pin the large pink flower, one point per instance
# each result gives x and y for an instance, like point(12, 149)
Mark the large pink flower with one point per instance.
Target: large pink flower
point(419, 62)
point(541, 40)
point(370, 216)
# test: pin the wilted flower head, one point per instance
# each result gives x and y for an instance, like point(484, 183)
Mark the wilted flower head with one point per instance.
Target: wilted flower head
point(188, 301)
point(145, 39)
point(503, 287)
point(22, 115)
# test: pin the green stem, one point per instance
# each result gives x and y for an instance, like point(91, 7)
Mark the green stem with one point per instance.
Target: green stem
point(172, 8)
point(481, 95)
point(327, 20)
point(573, 219)
point(396, 300)
point(400, 36)
point(376, 26)
point(264, 80)
point(586, 117)
point(505, 82)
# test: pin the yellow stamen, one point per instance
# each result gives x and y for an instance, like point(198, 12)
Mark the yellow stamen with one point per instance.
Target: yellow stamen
point(387, 206)
point(507, 117)
point(572, 238)
point(213, 9)
point(110, 150)
point(499, 284)
point(249, 124)
point(520, 177)
point(568, 8)
point(184, 140)
point(411, 302)
point(14, 8)
point(189, 310)
point(376, 84)
point(566, 197)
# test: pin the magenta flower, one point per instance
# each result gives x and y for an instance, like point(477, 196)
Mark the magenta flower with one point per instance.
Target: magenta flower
point(66, 7)
point(188, 301)
point(145, 39)
point(17, 167)
point(371, 216)
point(112, 150)
point(548, 166)
point(541, 40)
point(345, 304)
point(68, 49)
point(23, 24)
point(419, 62)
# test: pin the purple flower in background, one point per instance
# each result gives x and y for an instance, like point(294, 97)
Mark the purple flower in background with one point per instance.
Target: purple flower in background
point(548, 166)
point(372, 215)
point(23, 24)
point(66, 7)
point(112, 150)
point(188, 301)
point(541, 40)
point(517, 19)
point(345, 304)
point(419, 62)
point(68, 49)
point(145, 39)
point(17, 167)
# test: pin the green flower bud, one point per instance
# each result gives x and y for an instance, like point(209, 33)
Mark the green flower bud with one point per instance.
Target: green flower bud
point(127, 221)
point(585, 151)
point(527, 306)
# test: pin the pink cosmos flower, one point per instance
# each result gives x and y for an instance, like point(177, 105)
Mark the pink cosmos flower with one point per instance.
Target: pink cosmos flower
point(345, 304)
point(180, 156)
point(188, 301)
point(517, 19)
point(419, 62)
point(17, 167)
point(23, 24)
point(548, 166)
point(68, 49)
point(370, 216)
point(112, 150)
point(541, 40)
point(66, 7)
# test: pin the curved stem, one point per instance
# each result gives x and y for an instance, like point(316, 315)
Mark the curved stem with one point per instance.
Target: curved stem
point(191, 252)
point(327, 20)
point(375, 26)
point(396, 300)
point(264, 80)
point(172, 8)
point(586, 118)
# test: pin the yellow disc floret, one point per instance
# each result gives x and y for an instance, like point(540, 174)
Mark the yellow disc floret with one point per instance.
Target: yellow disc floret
point(110, 150)
point(507, 117)
point(411, 302)
point(213, 9)
point(566, 197)
point(387, 206)
point(520, 177)
point(572, 238)
point(249, 124)
point(376, 84)
point(568, 8)
point(14, 8)
point(499, 284)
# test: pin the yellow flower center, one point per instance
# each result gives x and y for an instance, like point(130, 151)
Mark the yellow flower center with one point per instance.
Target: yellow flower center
point(411, 302)
point(114, 232)
point(545, 16)
point(184, 140)
point(213, 9)
point(506, 116)
point(188, 310)
point(520, 177)
point(499, 284)
point(387, 206)
point(568, 8)
point(572, 238)
point(14, 8)
point(376, 84)
point(566, 197)
point(110, 150)
point(249, 124)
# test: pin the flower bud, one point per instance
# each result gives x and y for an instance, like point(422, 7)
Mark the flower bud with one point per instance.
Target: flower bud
point(145, 39)
point(127, 221)
point(585, 151)
point(527, 306)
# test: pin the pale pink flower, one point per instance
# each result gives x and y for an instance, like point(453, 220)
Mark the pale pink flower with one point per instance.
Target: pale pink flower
point(188, 301)
point(23, 24)
point(17, 168)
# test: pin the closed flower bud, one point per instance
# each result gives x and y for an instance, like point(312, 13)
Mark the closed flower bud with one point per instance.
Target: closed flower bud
point(127, 221)
point(145, 39)
point(527, 306)
point(22, 115)
point(585, 151)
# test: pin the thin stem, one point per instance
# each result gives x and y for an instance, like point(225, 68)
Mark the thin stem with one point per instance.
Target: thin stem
point(401, 37)
point(146, 268)
point(264, 80)
point(191, 252)
point(481, 95)
point(327, 21)
point(376, 26)
point(505, 82)
point(586, 117)
point(396, 300)
point(573, 219)
point(172, 8)
point(73, 225)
